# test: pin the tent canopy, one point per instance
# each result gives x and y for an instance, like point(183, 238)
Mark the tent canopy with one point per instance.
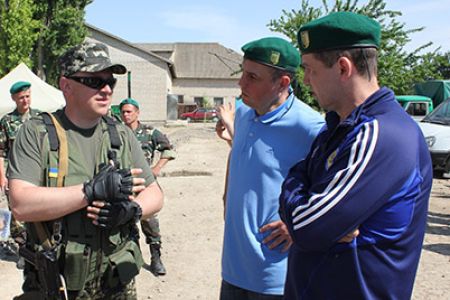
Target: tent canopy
point(43, 96)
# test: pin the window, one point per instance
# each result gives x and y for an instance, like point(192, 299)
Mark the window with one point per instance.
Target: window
point(180, 98)
point(417, 109)
point(218, 101)
point(198, 101)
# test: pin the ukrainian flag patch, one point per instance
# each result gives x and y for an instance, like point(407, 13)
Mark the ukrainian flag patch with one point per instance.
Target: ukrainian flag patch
point(53, 172)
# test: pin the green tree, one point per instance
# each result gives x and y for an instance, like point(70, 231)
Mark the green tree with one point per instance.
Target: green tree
point(17, 33)
point(37, 32)
point(204, 102)
point(62, 26)
point(442, 62)
point(397, 68)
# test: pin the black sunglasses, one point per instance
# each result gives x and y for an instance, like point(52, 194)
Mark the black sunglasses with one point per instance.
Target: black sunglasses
point(95, 82)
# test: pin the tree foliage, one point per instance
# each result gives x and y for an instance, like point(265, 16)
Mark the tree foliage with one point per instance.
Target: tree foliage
point(442, 61)
point(62, 26)
point(17, 33)
point(397, 68)
point(38, 32)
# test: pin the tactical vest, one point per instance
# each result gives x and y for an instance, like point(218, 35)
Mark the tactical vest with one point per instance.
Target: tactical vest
point(86, 252)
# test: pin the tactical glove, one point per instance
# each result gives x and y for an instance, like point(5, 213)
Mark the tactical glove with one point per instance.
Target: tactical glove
point(109, 184)
point(116, 214)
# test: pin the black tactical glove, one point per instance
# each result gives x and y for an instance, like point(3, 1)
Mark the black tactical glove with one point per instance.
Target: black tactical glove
point(116, 214)
point(109, 184)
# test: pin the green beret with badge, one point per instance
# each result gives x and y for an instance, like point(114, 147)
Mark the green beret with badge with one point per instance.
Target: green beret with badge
point(339, 30)
point(19, 86)
point(129, 101)
point(273, 52)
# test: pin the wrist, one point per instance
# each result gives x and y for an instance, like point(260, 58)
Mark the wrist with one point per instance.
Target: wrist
point(88, 192)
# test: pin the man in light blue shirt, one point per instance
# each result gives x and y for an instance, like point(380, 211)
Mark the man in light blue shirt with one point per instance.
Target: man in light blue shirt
point(272, 131)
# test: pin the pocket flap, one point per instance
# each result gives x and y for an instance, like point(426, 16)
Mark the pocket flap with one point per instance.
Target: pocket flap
point(128, 262)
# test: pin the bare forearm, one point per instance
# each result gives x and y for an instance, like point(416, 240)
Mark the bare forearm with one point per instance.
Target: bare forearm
point(161, 163)
point(150, 200)
point(32, 203)
point(2, 168)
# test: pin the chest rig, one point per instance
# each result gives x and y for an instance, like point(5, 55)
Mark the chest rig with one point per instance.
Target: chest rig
point(85, 252)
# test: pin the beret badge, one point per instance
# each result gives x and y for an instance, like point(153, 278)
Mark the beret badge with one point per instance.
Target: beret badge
point(304, 36)
point(275, 57)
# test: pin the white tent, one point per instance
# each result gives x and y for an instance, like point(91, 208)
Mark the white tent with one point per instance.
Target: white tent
point(43, 96)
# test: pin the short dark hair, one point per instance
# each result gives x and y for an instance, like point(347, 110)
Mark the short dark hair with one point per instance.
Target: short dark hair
point(364, 59)
point(278, 73)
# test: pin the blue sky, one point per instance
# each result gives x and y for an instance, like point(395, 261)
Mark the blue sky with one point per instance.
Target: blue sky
point(232, 23)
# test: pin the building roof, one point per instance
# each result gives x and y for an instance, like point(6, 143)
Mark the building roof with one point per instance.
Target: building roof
point(199, 60)
point(125, 42)
point(189, 60)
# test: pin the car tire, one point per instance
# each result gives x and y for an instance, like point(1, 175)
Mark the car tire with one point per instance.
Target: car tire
point(189, 120)
point(215, 119)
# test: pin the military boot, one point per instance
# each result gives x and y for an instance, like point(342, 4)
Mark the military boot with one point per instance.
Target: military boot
point(156, 265)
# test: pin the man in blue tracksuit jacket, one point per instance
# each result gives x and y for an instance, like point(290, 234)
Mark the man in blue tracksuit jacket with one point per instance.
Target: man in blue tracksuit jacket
point(356, 207)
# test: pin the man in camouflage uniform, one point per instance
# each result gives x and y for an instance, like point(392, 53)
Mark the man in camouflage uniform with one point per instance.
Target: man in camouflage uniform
point(9, 126)
point(152, 141)
point(87, 189)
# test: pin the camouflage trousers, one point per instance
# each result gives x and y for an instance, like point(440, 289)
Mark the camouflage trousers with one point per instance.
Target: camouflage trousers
point(91, 291)
point(150, 228)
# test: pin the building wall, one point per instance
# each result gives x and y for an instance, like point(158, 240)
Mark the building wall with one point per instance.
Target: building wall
point(152, 82)
point(209, 88)
point(150, 78)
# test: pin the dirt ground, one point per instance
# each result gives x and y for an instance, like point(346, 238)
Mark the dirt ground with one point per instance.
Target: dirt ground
point(192, 227)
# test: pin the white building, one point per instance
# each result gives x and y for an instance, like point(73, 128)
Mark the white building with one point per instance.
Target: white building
point(162, 75)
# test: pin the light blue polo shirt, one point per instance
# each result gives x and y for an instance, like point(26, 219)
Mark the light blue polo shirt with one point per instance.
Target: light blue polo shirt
point(264, 149)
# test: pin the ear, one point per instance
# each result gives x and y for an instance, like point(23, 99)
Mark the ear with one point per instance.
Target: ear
point(285, 81)
point(64, 84)
point(346, 67)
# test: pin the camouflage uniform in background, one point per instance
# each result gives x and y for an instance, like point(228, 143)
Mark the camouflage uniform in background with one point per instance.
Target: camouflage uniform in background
point(9, 126)
point(153, 140)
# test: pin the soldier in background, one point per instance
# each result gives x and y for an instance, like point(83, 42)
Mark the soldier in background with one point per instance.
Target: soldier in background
point(152, 140)
point(9, 126)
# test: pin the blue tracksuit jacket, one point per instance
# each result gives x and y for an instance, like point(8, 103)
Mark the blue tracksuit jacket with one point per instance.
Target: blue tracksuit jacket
point(373, 172)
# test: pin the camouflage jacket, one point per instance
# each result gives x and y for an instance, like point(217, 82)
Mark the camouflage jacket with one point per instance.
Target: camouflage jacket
point(152, 140)
point(9, 126)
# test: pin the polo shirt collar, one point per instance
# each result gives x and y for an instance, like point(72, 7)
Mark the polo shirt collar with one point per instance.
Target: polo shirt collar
point(278, 112)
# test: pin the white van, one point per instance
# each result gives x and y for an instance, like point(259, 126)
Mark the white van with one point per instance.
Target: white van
point(436, 129)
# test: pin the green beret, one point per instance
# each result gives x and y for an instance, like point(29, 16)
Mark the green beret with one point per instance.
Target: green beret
point(19, 86)
point(129, 101)
point(273, 52)
point(340, 30)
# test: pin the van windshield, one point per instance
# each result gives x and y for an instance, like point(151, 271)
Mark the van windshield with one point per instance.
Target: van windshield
point(441, 115)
